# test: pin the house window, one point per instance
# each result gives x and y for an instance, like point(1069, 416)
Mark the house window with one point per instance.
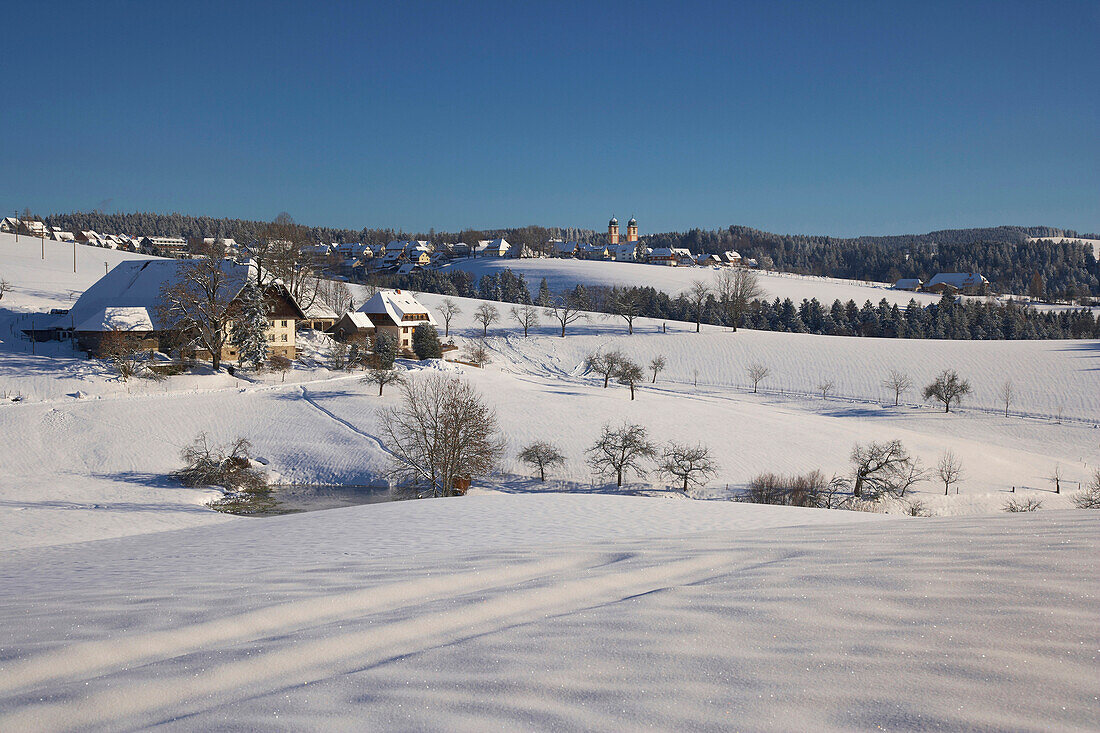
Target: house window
point(284, 337)
point(284, 324)
point(271, 337)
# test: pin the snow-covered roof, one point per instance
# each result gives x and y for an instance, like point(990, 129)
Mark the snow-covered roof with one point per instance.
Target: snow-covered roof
point(396, 304)
point(957, 279)
point(138, 284)
point(319, 310)
point(908, 283)
point(660, 252)
point(731, 255)
point(359, 320)
point(118, 318)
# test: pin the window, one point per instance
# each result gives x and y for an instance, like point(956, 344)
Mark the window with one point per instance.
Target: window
point(284, 337)
point(271, 337)
point(284, 324)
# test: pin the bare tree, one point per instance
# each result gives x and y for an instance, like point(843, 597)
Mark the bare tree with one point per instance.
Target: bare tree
point(949, 470)
point(543, 455)
point(565, 311)
point(1006, 394)
point(825, 386)
point(629, 373)
point(477, 353)
point(687, 464)
point(947, 388)
point(884, 468)
point(199, 303)
point(1055, 478)
point(757, 373)
point(657, 366)
point(1089, 497)
point(5, 287)
point(604, 364)
point(440, 430)
point(697, 296)
point(382, 377)
point(628, 305)
point(448, 309)
point(619, 450)
point(899, 382)
point(736, 288)
point(527, 316)
point(334, 294)
point(486, 315)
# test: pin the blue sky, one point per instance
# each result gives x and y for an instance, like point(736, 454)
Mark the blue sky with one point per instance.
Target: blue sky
point(844, 119)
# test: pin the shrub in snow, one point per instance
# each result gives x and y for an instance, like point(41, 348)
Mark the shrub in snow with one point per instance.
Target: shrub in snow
point(810, 490)
point(229, 466)
point(477, 354)
point(917, 508)
point(1023, 505)
point(1089, 498)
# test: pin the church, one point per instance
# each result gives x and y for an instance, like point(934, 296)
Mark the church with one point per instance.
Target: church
point(631, 230)
point(620, 249)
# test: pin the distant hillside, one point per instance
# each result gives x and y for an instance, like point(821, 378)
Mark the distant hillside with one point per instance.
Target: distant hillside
point(1003, 254)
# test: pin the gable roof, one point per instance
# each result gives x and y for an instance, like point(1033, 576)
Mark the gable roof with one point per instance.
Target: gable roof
point(395, 304)
point(138, 284)
point(118, 318)
point(957, 279)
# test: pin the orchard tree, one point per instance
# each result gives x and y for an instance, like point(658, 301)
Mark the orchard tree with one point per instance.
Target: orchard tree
point(657, 366)
point(382, 377)
point(486, 315)
point(884, 468)
point(949, 470)
point(527, 316)
point(542, 455)
point(629, 373)
point(898, 382)
point(619, 450)
point(604, 364)
point(564, 310)
point(687, 464)
point(448, 309)
point(757, 373)
point(697, 296)
point(948, 388)
point(736, 289)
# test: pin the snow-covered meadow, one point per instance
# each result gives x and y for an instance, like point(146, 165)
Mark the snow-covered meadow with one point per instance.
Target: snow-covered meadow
point(125, 602)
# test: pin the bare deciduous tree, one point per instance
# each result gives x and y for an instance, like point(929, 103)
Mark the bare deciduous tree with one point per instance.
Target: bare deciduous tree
point(1055, 478)
point(949, 470)
point(657, 366)
point(382, 377)
point(448, 309)
point(899, 382)
point(527, 316)
point(825, 386)
point(688, 464)
point(619, 450)
point(736, 288)
point(565, 311)
point(1006, 393)
point(757, 373)
point(5, 287)
point(628, 306)
point(440, 430)
point(199, 302)
point(543, 455)
point(629, 373)
point(123, 352)
point(884, 468)
point(697, 296)
point(486, 315)
point(604, 364)
point(279, 363)
point(948, 388)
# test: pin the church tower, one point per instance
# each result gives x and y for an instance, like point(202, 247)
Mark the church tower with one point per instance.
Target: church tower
point(632, 230)
point(613, 230)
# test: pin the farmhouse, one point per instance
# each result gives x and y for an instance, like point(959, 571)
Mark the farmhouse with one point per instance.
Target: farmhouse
point(128, 299)
point(911, 283)
point(663, 256)
point(971, 283)
point(318, 316)
point(498, 247)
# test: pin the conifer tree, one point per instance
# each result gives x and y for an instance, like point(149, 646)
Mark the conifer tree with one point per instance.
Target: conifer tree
point(249, 331)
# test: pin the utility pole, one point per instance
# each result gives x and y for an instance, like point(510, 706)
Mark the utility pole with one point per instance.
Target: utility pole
point(43, 242)
point(105, 267)
point(17, 224)
point(74, 255)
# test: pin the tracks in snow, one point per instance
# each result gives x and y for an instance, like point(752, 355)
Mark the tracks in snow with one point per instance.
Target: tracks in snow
point(112, 686)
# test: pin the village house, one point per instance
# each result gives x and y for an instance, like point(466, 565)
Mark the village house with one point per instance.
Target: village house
point(9, 225)
point(164, 246)
point(128, 298)
point(708, 260)
point(662, 256)
point(392, 311)
point(731, 258)
point(318, 316)
point(498, 247)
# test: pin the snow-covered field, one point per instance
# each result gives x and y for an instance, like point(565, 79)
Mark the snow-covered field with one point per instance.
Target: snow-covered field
point(127, 603)
point(564, 274)
point(1058, 240)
